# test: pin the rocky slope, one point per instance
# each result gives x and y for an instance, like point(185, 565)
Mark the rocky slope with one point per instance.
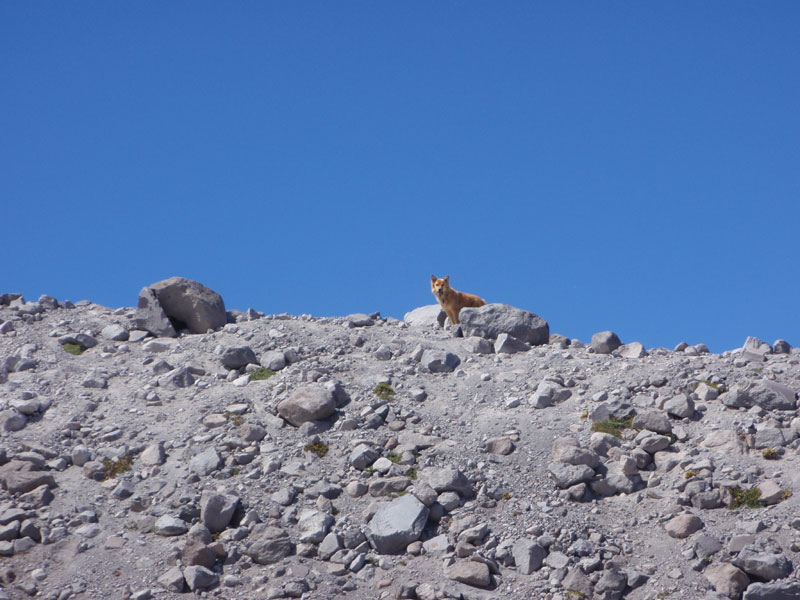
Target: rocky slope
point(387, 459)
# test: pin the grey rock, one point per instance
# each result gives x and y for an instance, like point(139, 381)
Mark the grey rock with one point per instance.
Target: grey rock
point(168, 526)
point(632, 350)
point(429, 316)
point(22, 482)
point(308, 403)
point(363, 456)
point(725, 441)
point(771, 395)
point(216, 510)
point(200, 578)
point(360, 320)
point(756, 346)
point(274, 360)
point(601, 443)
point(13, 420)
point(549, 392)
point(191, 303)
point(727, 579)
point(238, 357)
point(447, 479)
point(491, 320)
point(779, 590)
point(206, 462)
point(566, 450)
point(566, 475)
point(116, 333)
point(706, 545)
point(479, 345)
point(507, 344)
point(578, 583)
point(683, 526)
point(653, 421)
point(151, 456)
point(528, 555)
point(329, 545)
point(605, 342)
point(397, 524)
point(781, 347)
point(172, 580)
point(736, 397)
point(471, 572)
point(763, 565)
point(78, 339)
point(681, 406)
point(654, 443)
point(437, 361)
point(610, 585)
point(314, 526)
point(150, 316)
point(269, 545)
point(769, 437)
point(499, 445)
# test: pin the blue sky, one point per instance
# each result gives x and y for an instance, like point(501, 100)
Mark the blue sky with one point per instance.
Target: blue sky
point(627, 166)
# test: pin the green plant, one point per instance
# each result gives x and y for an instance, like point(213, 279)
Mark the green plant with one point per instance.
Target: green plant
point(771, 453)
point(787, 493)
point(369, 470)
point(132, 525)
point(691, 473)
point(236, 471)
point(506, 496)
point(235, 419)
point(75, 349)
point(412, 474)
point(319, 448)
point(575, 594)
point(115, 467)
point(758, 371)
point(613, 426)
point(334, 511)
point(394, 457)
point(749, 498)
point(710, 383)
point(383, 391)
point(261, 373)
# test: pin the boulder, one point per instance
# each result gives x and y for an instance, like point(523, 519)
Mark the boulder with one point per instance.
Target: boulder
point(762, 565)
point(491, 320)
point(269, 545)
point(683, 526)
point(771, 395)
point(238, 357)
point(507, 344)
point(632, 350)
point(397, 524)
point(186, 303)
point(605, 342)
point(778, 590)
point(528, 556)
point(470, 572)
point(429, 316)
point(216, 510)
point(150, 316)
point(308, 403)
point(447, 479)
point(727, 579)
point(437, 361)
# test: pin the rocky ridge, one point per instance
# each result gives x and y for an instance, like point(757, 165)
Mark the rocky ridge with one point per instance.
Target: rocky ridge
point(279, 456)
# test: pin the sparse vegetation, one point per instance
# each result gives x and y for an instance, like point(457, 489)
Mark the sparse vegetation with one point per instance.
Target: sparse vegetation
point(319, 448)
point(75, 349)
point(235, 419)
point(115, 467)
point(771, 453)
point(506, 495)
point(691, 473)
point(613, 426)
point(787, 493)
point(261, 373)
point(394, 457)
point(749, 498)
point(710, 383)
point(384, 391)
point(412, 474)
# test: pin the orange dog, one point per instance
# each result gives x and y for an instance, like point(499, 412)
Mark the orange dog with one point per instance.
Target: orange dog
point(452, 301)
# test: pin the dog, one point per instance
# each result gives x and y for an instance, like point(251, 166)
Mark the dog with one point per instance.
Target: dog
point(452, 301)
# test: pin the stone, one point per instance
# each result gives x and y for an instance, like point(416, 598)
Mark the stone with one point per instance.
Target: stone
point(577, 584)
point(447, 479)
point(756, 346)
point(491, 320)
point(632, 350)
point(680, 405)
point(329, 545)
point(771, 395)
point(13, 420)
point(528, 555)
point(308, 403)
point(190, 303)
point(507, 344)
point(200, 578)
point(771, 492)
point(429, 316)
point(238, 357)
point(116, 333)
point(610, 586)
point(566, 476)
point(727, 579)
point(566, 450)
point(216, 510)
point(21, 482)
point(762, 565)
point(363, 456)
point(656, 421)
point(605, 342)
point(654, 443)
point(172, 580)
point(547, 393)
point(150, 316)
point(195, 552)
point(781, 347)
point(397, 524)
point(314, 526)
point(167, 525)
point(736, 397)
point(725, 441)
point(683, 526)
point(479, 345)
point(471, 572)
point(151, 456)
point(437, 361)
point(269, 545)
point(778, 590)
point(273, 360)
point(706, 545)
point(499, 445)
point(360, 320)
point(206, 462)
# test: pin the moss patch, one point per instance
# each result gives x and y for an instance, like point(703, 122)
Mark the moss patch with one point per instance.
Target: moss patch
point(613, 426)
point(319, 448)
point(75, 349)
point(750, 498)
point(261, 373)
point(383, 391)
point(115, 467)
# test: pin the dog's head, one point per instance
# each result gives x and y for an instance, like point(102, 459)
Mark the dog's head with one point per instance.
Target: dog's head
point(440, 287)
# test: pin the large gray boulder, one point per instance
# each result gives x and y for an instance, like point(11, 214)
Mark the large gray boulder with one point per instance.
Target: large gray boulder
point(761, 564)
point(605, 342)
point(528, 556)
point(771, 395)
point(438, 361)
point(269, 545)
point(308, 403)
point(430, 316)
point(216, 510)
point(238, 357)
point(150, 316)
point(491, 320)
point(397, 524)
point(183, 301)
point(779, 590)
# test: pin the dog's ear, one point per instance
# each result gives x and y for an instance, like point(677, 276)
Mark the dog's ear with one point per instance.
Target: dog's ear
point(433, 278)
point(447, 279)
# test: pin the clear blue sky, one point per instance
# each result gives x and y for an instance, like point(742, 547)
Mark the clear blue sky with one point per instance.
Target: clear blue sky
point(632, 166)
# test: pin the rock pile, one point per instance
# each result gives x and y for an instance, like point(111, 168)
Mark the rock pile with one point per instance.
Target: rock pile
point(176, 447)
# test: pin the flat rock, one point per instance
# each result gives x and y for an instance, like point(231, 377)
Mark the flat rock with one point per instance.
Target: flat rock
point(683, 526)
point(471, 572)
point(397, 524)
point(308, 403)
point(269, 545)
point(727, 579)
point(762, 565)
point(429, 316)
point(437, 361)
point(528, 555)
point(491, 320)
